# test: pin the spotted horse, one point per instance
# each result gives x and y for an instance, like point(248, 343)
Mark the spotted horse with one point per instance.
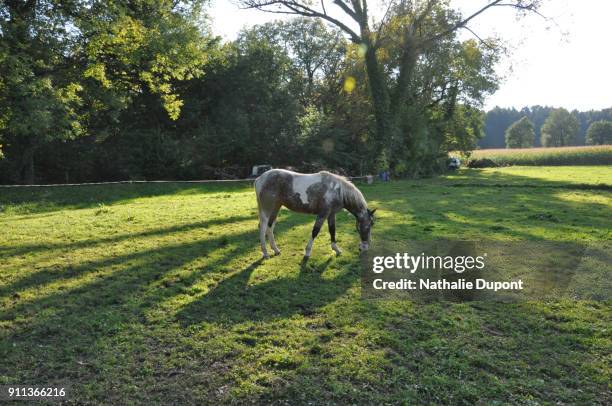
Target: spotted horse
point(323, 194)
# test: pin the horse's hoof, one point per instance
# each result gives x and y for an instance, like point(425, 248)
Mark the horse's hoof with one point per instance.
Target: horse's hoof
point(277, 253)
point(265, 256)
point(338, 253)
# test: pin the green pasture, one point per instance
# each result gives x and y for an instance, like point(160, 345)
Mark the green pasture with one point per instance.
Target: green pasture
point(156, 294)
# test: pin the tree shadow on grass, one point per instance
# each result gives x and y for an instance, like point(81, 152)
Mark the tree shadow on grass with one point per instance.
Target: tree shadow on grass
point(60, 335)
point(86, 308)
point(6, 252)
point(74, 333)
point(236, 300)
point(154, 262)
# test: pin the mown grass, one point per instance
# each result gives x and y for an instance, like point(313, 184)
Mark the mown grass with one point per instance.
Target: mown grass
point(587, 155)
point(156, 294)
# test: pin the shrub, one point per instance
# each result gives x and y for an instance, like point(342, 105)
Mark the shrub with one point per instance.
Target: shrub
point(481, 163)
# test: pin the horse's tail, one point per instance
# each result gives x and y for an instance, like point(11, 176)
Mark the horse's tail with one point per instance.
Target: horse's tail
point(258, 184)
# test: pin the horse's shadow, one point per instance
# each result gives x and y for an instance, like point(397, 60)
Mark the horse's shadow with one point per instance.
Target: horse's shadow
point(235, 300)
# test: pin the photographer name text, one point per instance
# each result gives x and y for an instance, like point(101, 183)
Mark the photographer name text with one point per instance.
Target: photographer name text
point(444, 284)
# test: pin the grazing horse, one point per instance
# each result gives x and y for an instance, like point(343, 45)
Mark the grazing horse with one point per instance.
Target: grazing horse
point(323, 194)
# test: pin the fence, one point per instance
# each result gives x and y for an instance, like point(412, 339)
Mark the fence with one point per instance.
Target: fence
point(369, 178)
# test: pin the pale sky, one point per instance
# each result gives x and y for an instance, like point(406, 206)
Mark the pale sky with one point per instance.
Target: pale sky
point(565, 63)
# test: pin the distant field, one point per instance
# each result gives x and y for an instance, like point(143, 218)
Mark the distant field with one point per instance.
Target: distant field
point(586, 155)
point(156, 293)
point(535, 176)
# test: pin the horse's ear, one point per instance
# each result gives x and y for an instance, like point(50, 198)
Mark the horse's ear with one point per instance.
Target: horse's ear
point(372, 211)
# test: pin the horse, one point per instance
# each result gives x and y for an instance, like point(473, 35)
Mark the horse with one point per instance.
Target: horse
point(323, 194)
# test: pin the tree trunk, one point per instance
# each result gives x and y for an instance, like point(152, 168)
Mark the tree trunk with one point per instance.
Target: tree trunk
point(406, 69)
point(381, 101)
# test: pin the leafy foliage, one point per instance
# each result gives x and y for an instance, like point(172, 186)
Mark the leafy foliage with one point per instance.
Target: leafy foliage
point(520, 134)
point(78, 69)
point(599, 133)
point(142, 90)
point(559, 129)
point(498, 119)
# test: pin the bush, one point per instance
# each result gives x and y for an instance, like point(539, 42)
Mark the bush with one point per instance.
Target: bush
point(481, 163)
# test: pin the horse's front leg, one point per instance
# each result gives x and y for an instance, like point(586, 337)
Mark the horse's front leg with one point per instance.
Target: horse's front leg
point(331, 224)
point(315, 231)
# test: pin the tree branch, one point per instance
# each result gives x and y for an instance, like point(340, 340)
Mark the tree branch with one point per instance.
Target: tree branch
point(482, 41)
point(346, 9)
point(462, 22)
point(532, 7)
point(296, 7)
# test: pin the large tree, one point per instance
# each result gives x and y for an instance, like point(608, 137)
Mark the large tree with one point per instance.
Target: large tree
point(40, 93)
point(520, 134)
point(599, 133)
point(559, 129)
point(72, 66)
point(316, 51)
point(412, 28)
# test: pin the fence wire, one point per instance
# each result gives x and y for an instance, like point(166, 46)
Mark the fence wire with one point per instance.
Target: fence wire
point(122, 182)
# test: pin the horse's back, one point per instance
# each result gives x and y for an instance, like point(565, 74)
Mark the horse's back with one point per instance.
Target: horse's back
point(303, 192)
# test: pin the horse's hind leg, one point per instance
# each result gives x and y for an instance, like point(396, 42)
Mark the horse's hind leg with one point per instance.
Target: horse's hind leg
point(263, 227)
point(264, 216)
point(270, 231)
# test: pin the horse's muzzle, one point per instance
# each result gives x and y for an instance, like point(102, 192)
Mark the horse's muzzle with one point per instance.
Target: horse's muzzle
point(363, 246)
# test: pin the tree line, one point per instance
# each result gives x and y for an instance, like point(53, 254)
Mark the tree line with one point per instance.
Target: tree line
point(538, 126)
point(112, 90)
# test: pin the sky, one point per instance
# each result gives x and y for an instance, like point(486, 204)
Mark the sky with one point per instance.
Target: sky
point(563, 62)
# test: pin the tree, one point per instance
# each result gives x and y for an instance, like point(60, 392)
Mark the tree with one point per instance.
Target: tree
point(497, 122)
point(559, 129)
point(599, 133)
point(70, 69)
point(520, 134)
point(587, 117)
point(499, 119)
point(412, 28)
point(40, 94)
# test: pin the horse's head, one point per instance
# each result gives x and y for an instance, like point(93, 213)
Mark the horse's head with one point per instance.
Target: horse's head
point(365, 221)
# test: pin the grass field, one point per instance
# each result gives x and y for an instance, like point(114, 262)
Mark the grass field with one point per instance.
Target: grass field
point(585, 155)
point(156, 294)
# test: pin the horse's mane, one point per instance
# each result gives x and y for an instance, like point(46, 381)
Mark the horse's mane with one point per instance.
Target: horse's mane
point(352, 197)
